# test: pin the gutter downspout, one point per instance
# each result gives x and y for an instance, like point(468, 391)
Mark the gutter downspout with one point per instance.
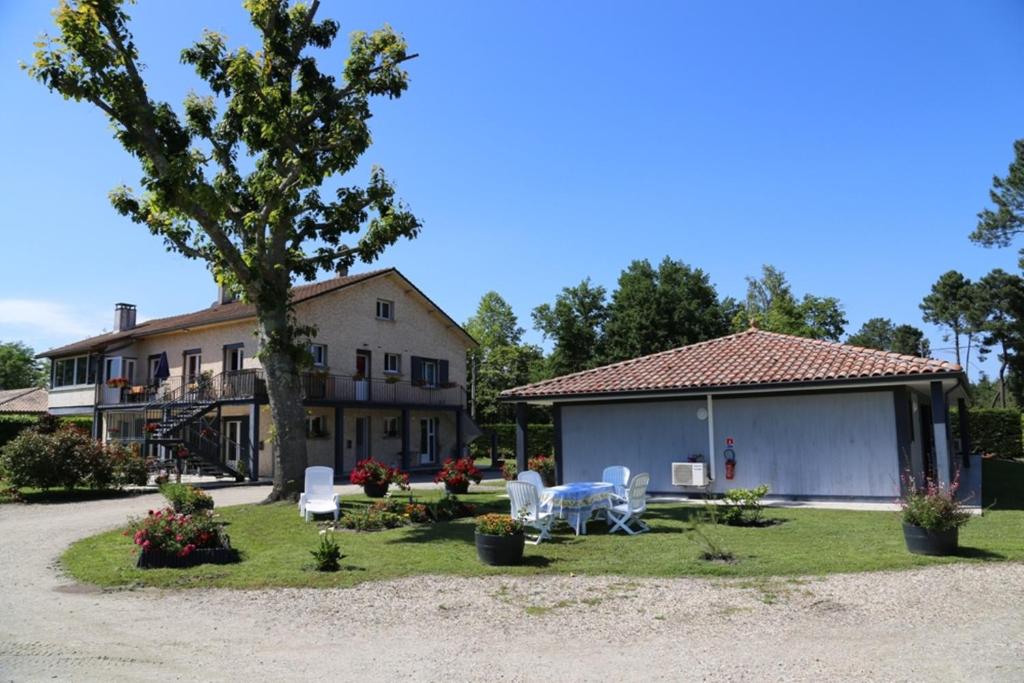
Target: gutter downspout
point(711, 439)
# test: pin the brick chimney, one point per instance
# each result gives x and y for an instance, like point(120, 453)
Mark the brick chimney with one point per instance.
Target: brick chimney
point(124, 317)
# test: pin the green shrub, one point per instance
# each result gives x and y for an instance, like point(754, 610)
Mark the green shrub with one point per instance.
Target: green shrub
point(995, 431)
point(370, 519)
point(327, 555)
point(68, 457)
point(28, 460)
point(743, 506)
point(185, 499)
point(13, 425)
point(509, 470)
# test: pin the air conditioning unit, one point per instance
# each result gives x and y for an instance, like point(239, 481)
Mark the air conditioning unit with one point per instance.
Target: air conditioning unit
point(689, 474)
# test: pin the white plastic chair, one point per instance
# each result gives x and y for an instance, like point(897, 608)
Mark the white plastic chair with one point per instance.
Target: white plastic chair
point(617, 476)
point(526, 507)
point(531, 477)
point(318, 496)
point(624, 514)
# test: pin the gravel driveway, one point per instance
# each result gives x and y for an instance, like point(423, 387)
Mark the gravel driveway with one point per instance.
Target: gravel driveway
point(947, 623)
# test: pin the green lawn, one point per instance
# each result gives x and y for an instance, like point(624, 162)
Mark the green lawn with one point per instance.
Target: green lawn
point(275, 543)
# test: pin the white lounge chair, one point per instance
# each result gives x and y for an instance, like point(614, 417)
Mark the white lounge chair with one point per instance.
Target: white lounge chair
point(623, 515)
point(526, 507)
point(318, 496)
point(617, 476)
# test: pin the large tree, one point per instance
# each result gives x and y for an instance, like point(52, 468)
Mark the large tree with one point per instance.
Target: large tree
point(502, 361)
point(772, 306)
point(999, 225)
point(658, 309)
point(881, 334)
point(951, 305)
point(234, 179)
point(19, 368)
point(575, 322)
point(999, 301)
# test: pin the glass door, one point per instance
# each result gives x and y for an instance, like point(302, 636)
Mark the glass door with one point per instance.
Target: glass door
point(428, 440)
point(232, 442)
point(362, 438)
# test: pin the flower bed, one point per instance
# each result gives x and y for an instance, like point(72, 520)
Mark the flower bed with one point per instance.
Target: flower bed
point(170, 539)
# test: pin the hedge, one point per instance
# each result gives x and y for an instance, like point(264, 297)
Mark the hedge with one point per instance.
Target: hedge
point(996, 431)
point(13, 424)
point(540, 439)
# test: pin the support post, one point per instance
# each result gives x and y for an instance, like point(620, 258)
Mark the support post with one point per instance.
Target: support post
point(711, 439)
point(406, 429)
point(494, 449)
point(522, 436)
point(904, 417)
point(339, 442)
point(254, 441)
point(556, 442)
point(964, 422)
point(458, 433)
point(943, 470)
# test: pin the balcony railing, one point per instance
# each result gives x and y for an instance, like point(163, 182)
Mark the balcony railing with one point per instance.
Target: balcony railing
point(248, 384)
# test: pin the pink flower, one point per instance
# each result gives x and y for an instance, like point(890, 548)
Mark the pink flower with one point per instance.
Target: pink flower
point(146, 545)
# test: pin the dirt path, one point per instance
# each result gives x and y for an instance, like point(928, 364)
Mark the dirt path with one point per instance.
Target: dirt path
point(956, 622)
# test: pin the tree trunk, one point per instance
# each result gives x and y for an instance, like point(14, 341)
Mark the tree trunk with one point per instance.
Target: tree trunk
point(288, 417)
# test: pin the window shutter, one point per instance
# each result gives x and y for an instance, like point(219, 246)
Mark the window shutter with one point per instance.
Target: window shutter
point(416, 368)
point(442, 371)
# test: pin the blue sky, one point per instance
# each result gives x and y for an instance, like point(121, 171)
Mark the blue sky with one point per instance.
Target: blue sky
point(849, 144)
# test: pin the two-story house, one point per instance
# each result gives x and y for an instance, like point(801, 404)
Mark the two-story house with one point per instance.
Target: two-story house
point(387, 381)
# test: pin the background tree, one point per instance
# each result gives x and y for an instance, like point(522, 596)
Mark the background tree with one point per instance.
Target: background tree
point(881, 334)
point(502, 361)
point(575, 322)
point(950, 304)
point(999, 302)
point(998, 226)
point(772, 306)
point(19, 367)
point(910, 341)
point(239, 188)
point(655, 310)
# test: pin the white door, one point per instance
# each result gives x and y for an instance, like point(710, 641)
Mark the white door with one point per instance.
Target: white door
point(193, 366)
point(232, 442)
point(111, 370)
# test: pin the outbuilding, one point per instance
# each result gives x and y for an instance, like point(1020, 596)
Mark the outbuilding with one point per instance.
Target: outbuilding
point(811, 419)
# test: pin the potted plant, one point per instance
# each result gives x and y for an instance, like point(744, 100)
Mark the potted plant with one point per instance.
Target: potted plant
point(456, 474)
point(545, 466)
point(932, 516)
point(375, 477)
point(117, 382)
point(170, 539)
point(499, 539)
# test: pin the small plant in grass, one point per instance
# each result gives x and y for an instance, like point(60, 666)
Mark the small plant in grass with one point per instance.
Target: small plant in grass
point(498, 525)
point(545, 466)
point(327, 555)
point(509, 470)
point(370, 519)
point(743, 506)
point(711, 546)
point(418, 513)
point(933, 506)
point(186, 499)
point(450, 507)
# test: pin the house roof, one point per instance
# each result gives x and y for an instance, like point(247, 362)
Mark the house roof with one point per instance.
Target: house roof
point(746, 359)
point(233, 311)
point(27, 400)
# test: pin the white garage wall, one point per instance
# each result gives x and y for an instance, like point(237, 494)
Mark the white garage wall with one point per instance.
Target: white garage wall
point(841, 444)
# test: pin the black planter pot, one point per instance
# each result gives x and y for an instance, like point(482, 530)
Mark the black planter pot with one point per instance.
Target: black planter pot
point(500, 550)
point(922, 541)
point(375, 490)
point(458, 489)
point(222, 555)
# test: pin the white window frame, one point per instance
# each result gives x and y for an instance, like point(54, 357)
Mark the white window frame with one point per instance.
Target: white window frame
point(397, 369)
point(75, 362)
point(311, 423)
point(429, 365)
point(385, 306)
point(237, 352)
point(321, 350)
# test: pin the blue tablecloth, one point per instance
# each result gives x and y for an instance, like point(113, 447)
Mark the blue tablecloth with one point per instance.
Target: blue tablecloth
point(576, 502)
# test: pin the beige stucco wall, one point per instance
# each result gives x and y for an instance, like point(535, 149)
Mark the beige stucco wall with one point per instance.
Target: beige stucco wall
point(62, 400)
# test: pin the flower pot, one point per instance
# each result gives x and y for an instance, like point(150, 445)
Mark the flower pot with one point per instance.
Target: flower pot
point(375, 489)
point(921, 541)
point(154, 560)
point(457, 489)
point(500, 550)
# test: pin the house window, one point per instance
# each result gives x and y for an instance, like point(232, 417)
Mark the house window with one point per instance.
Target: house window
point(319, 353)
point(385, 309)
point(233, 357)
point(69, 372)
point(390, 427)
point(193, 365)
point(316, 427)
point(154, 365)
point(430, 373)
point(392, 363)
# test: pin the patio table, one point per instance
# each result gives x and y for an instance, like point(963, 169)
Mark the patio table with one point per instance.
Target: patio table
point(576, 502)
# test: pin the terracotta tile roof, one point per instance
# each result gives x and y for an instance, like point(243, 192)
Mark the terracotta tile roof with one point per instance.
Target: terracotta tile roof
point(30, 400)
point(750, 358)
point(217, 313)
